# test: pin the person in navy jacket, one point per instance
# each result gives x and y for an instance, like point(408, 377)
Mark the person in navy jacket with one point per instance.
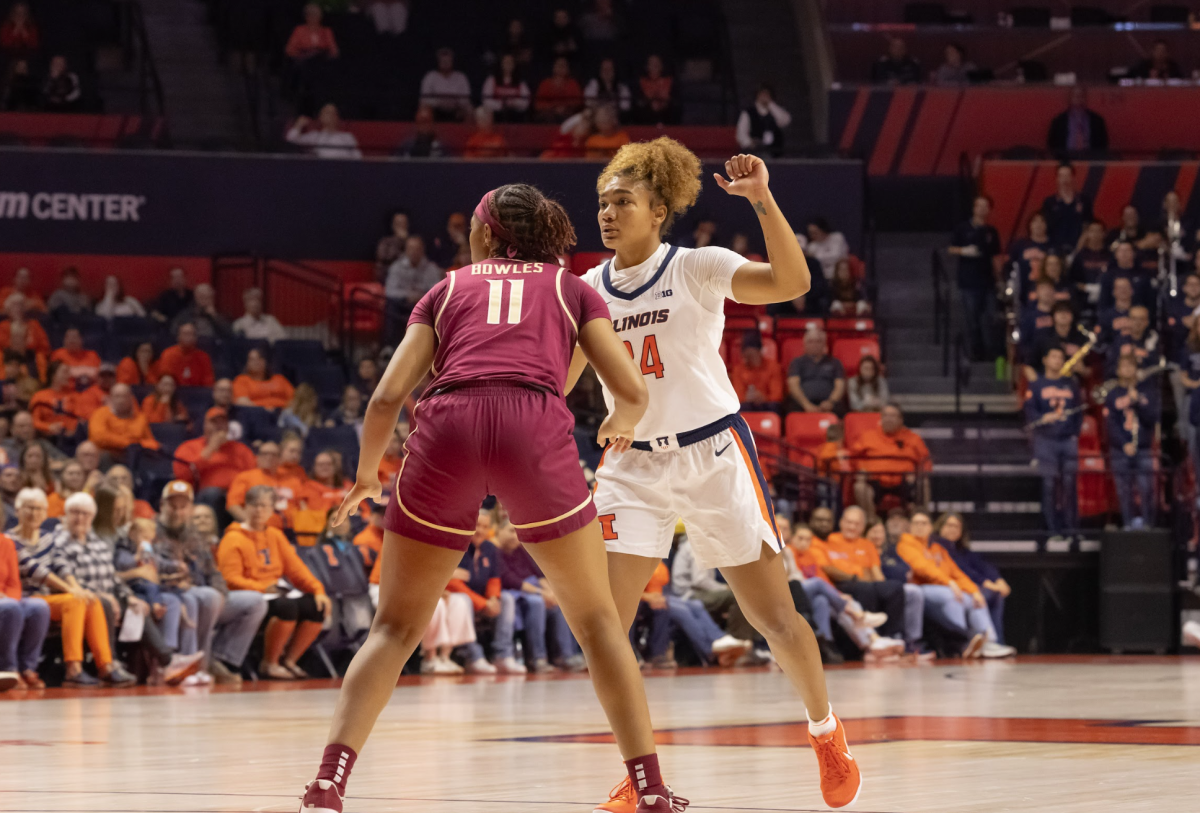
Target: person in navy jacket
point(1132, 412)
point(1053, 409)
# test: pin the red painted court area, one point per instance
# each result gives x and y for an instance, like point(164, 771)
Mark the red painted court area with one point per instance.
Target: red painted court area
point(910, 729)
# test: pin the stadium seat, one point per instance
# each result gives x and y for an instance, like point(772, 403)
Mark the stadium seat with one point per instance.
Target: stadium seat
point(169, 435)
point(850, 351)
point(741, 323)
point(767, 428)
point(858, 422)
point(850, 324)
point(787, 327)
point(131, 326)
point(196, 400)
point(294, 355)
point(363, 314)
point(327, 379)
point(238, 347)
point(790, 349)
point(806, 430)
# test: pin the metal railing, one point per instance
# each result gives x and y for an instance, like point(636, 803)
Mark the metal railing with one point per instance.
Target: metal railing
point(139, 57)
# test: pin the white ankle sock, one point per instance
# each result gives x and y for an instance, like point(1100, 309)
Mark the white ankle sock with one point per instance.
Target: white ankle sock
point(822, 727)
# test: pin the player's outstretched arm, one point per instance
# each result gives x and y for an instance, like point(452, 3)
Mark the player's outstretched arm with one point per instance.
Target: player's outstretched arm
point(409, 365)
point(786, 276)
point(614, 365)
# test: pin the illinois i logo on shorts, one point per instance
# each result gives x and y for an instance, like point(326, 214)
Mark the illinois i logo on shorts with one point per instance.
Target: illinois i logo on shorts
point(606, 526)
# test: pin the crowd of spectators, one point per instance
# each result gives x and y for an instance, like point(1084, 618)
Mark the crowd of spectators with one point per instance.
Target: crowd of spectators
point(1099, 313)
point(33, 80)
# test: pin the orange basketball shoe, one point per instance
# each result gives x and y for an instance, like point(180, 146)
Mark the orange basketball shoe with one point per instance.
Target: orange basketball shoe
point(622, 799)
point(840, 778)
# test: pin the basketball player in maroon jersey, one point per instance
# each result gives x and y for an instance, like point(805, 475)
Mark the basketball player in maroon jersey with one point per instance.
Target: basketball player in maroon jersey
point(499, 336)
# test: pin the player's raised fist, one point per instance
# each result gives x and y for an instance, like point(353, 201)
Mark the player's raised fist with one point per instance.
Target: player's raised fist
point(747, 176)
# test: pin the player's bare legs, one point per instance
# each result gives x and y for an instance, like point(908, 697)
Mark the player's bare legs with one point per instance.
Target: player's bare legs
point(412, 578)
point(628, 576)
point(761, 590)
point(576, 568)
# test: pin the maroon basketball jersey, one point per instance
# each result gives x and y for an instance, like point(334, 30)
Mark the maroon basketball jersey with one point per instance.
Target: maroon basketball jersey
point(507, 320)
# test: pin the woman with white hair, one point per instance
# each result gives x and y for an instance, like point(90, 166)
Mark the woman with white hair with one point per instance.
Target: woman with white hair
point(78, 610)
point(85, 561)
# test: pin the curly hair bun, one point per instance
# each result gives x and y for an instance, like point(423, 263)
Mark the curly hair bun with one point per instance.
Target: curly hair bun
point(539, 226)
point(669, 169)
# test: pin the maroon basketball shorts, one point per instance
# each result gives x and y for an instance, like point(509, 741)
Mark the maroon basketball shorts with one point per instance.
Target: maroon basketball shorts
point(504, 439)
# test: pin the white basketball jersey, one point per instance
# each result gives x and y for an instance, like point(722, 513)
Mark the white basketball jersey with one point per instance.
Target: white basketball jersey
point(670, 312)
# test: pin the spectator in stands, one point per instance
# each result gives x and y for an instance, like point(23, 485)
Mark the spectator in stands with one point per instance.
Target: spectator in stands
point(897, 66)
point(955, 70)
point(70, 480)
point(311, 39)
point(600, 25)
point(1158, 65)
point(1063, 332)
point(884, 536)
point(116, 302)
point(140, 369)
point(950, 531)
point(606, 89)
point(225, 621)
point(366, 376)
point(564, 36)
point(448, 244)
point(893, 460)
point(1132, 413)
point(254, 556)
point(505, 92)
point(23, 284)
point(655, 102)
point(609, 136)
point(22, 433)
point(824, 245)
point(1140, 342)
point(760, 126)
point(190, 365)
point(816, 380)
point(27, 362)
point(303, 411)
point(1177, 226)
point(391, 246)
point(326, 484)
point(516, 42)
point(167, 305)
point(1078, 129)
point(327, 139)
point(95, 396)
point(390, 16)
point(349, 411)
point(1054, 411)
point(1066, 211)
point(255, 388)
point(211, 461)
point(34, 468)
point(119, 425)
point(19, 35)
point(558, 95)
point(1130, 230)
point(446, 91)
point(848, 295)
point(203, 314)
point(408, 279)
point(80, 613)
point(485, 141)
point(255, 323)
point(1054, 271)
point(478, 577)
point(24, 623)
point(1114, 321)
point(60, 91)
point(164, 405)
point(1088, 264)
point(522, 592)
point(868, 390)
point(852, 564)
point(952, 600)
point(976, 243)
point(758, 381)
point(55, 414)
point(20, 92)
point(82, 363)
point(15, 307)
point(265, 474)
point(424, 142)
point(68, 299)
point(88, 456)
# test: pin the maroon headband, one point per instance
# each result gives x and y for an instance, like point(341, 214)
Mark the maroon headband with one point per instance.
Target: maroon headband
point(484, 212)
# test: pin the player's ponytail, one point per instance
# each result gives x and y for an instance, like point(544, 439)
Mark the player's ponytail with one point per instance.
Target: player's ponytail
point(531, 226)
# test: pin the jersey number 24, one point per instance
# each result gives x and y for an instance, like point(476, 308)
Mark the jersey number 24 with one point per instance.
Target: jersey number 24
point(651, 360)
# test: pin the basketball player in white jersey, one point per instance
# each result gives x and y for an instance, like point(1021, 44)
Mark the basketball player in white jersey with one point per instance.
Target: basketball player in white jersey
point(694, 456)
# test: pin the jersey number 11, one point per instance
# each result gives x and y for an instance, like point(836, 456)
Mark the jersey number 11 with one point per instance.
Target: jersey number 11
point(516, 293)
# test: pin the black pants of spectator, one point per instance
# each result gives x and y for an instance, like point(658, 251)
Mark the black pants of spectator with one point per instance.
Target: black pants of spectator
point(303, 608)
point(880, 597)
point(979, 322)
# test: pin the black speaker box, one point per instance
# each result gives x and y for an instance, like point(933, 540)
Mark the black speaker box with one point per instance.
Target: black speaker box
point(1137, 594)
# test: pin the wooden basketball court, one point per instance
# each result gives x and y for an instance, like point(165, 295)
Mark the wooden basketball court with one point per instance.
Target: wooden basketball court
point(1091, 735)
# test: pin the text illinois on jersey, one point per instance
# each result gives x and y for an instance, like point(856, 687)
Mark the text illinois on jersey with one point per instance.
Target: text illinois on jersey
point(640, 320)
